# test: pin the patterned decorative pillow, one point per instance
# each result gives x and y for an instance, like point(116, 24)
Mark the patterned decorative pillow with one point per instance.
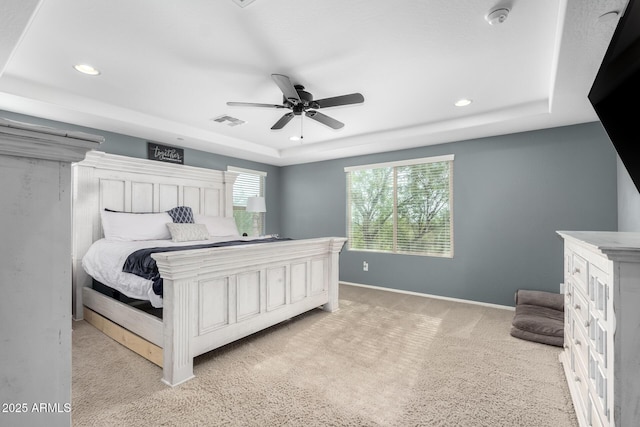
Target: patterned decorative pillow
point(181, 215)
point(187, 232)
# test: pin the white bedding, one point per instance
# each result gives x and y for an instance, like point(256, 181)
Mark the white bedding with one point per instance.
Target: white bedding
point(105, 258)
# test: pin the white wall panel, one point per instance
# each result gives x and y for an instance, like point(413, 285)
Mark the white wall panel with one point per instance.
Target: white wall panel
point(298, 281)
point(213, 310)
point(141, 197)
point(248, 294)
point(192, 198)
point(276, 287)
point(212, 202)
point(319, 276)
point(113, 195)
point(168, 197)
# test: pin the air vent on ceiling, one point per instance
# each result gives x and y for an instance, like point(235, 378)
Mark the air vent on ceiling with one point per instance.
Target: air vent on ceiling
point(243, 3)
point(232, 121)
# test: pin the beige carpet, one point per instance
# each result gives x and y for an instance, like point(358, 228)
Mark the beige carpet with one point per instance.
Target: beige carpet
point(384, 359)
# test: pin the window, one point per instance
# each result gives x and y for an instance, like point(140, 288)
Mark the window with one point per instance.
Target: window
point(249, 183)
point(401, 207)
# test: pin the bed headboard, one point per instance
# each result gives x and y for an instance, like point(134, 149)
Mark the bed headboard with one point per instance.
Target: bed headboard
point(107, 181)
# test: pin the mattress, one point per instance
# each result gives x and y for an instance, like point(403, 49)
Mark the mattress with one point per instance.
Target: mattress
point(105, 258)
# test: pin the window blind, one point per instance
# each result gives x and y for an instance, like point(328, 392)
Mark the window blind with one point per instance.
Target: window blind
point(401, 207)
point(249, 183)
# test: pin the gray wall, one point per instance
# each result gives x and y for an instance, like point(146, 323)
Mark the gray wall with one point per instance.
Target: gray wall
point(136, 147)
point(511, 193)
point(628, 201)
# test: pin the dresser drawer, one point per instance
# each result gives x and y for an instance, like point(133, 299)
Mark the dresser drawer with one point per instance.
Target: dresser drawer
point(580, 380)
point(594, 416)
point(568, 327)
point(599, 291)
point(580, 307)
point(579, 272)
point(580, 344)
point(601, 392)
point(600, 343)
point(598, 388)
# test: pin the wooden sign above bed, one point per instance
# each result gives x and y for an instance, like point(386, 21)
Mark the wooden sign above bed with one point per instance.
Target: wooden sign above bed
point(165, 153)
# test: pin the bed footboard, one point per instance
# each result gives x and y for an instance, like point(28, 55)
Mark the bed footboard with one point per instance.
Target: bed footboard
point(215, 296)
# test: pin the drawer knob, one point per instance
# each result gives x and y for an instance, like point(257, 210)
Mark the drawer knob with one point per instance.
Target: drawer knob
point(565, 345)
point(576, 270)
point(577, 342)
point(587, 323)
point(577, 379)
point(577, 306)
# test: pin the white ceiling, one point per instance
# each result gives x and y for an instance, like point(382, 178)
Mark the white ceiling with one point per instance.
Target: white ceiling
point(168, 68)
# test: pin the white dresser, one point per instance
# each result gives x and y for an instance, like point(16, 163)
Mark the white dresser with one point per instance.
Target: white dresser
point(601, 358)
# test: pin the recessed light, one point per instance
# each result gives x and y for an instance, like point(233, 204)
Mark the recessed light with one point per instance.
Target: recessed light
point(86, 69)
point(295, 138)
point(463, 102)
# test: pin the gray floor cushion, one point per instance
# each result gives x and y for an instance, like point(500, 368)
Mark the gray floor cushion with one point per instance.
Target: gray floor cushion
point(540, 298)
point(543, 339)
point(542, 323)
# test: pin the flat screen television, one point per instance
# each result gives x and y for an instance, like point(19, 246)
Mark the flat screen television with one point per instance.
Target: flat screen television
point(616, 89)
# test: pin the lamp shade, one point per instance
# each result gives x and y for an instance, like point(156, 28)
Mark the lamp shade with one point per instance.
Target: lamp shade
point(256, 204)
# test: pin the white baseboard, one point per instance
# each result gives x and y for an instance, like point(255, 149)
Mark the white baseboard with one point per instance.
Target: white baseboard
point(464, 301)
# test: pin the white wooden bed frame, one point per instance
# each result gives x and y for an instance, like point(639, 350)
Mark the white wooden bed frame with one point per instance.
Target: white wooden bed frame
point(211, 296)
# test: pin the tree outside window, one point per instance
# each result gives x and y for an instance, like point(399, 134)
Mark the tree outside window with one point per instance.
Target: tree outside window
point(401, 207)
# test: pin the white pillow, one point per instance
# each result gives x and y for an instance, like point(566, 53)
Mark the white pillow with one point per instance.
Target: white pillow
point(187, 232)
point(218, 225)
point(124, 226)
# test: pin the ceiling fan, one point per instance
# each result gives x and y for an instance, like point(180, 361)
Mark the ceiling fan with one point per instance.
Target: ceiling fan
point(296, 99)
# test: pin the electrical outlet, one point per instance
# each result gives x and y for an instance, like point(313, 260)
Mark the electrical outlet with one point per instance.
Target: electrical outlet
point(365, 266)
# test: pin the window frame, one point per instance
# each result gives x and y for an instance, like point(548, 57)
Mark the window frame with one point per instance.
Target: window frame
point(395, 164)
point(261, 193)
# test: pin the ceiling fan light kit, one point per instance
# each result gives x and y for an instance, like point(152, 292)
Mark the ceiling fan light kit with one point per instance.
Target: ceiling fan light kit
point(299, 101)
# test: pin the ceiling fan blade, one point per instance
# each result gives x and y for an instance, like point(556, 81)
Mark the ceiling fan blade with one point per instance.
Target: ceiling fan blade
point(287, 88)
point(353, 98)
point(253, 104)
point(283, 121)
point(324, 119)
